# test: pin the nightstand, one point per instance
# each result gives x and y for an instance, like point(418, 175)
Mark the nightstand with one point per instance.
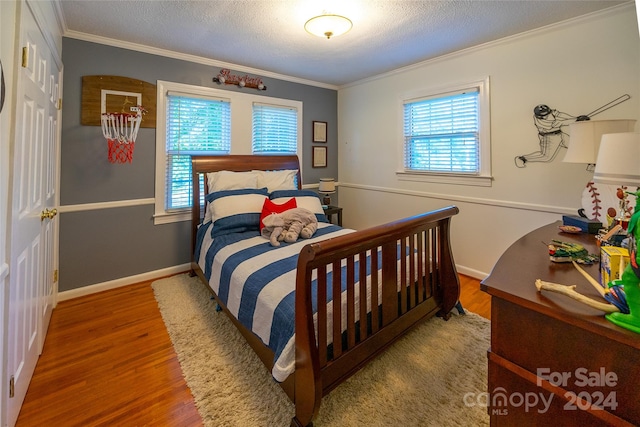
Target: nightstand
point(330, 211)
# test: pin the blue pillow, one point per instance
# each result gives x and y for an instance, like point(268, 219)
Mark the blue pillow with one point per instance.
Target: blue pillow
point(236, 211)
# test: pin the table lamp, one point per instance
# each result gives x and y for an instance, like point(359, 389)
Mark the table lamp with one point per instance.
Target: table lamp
point(618, 160)
point(585, 136)
point(618, 163)
point(584, 143)
point(327, 187)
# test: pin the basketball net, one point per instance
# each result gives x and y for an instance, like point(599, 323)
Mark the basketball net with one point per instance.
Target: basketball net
point(121, 130)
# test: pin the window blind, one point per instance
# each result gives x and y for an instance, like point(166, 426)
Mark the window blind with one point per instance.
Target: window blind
point(275, 129)
point(195, 125)
point(442, 134)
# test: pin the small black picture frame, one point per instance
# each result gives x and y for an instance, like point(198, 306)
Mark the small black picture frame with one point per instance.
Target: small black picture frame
point(319, 157)
point(319, 131)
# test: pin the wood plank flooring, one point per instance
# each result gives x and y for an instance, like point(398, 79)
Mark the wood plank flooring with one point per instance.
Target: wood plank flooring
point(108, 360)
point(472, 298)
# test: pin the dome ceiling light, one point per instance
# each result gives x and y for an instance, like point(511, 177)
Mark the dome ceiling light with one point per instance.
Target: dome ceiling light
point(328, 25)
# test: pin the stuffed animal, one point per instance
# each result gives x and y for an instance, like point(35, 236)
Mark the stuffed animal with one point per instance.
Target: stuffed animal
point(289, 225)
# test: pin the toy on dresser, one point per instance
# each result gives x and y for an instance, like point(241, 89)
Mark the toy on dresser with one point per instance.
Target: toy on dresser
point(622, 295)
point(629, 283)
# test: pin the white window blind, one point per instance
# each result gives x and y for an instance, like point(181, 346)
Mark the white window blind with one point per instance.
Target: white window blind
point(441, 134)
point(195, 125)
point(275, 129)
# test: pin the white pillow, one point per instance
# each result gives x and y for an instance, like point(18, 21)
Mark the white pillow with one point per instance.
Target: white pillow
point(277, 180)
point(236, 210)
point(307, 199)
point(229, 180)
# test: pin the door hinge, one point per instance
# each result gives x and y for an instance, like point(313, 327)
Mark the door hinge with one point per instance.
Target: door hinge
point(59, 104)
point(12, 387)
point(25, 57)
point(55, 276)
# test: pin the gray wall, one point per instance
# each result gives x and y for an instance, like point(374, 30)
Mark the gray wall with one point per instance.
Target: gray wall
point(99, 245)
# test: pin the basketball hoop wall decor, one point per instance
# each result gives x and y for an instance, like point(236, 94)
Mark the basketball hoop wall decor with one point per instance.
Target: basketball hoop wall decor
point(121, 131)
point(116, 104)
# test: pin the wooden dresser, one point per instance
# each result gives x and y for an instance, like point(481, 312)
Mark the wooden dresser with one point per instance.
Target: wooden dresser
point(554, 361)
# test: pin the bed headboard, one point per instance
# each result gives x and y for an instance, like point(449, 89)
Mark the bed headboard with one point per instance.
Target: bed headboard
point(238, 163)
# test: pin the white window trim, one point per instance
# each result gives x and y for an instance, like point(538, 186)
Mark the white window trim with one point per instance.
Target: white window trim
point(483, 178)
point(241, 133)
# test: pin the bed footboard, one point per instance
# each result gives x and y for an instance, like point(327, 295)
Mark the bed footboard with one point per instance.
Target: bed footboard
point(412, 277)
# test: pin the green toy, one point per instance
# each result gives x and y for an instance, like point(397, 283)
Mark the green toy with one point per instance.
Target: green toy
point(628, 301)
point(566, 252)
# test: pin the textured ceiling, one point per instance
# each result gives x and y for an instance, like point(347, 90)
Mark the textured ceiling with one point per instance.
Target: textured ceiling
point(269, 35)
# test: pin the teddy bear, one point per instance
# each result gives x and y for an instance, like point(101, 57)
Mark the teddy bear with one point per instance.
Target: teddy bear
point(289, 225)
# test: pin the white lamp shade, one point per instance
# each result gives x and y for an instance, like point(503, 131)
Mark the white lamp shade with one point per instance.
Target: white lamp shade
point(585, 137)
point(618, 161)
point(327, 186)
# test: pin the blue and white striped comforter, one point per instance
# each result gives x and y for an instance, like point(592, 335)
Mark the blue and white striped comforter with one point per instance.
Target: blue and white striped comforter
point(257, 283)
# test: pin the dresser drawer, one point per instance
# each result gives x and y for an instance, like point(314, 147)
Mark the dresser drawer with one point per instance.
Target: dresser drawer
point(540, 349)
point(518, 401)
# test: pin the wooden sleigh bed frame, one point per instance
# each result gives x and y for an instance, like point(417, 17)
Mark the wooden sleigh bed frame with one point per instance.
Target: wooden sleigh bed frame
point(317, 369)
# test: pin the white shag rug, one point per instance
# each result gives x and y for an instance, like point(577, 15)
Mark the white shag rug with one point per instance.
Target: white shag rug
point(431, 377)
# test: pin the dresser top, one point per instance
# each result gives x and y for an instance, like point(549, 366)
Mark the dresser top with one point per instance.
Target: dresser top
point(514, 275)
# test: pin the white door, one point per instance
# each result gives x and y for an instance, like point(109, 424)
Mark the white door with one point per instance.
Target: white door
point(33, 223)
point(49, 220)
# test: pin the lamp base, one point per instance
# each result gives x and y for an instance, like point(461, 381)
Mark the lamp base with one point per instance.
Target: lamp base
point(326, 200)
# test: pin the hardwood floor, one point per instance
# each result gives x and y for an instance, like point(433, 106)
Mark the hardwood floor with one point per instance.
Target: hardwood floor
point(472, 298)
point(108, 360)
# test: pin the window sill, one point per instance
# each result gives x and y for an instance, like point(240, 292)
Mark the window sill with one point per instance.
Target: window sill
point(478, 181)
point(169, 217)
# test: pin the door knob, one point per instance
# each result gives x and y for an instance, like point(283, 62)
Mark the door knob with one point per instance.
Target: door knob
point(48, 214)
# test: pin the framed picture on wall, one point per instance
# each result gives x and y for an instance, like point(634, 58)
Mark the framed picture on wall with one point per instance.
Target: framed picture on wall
point(319, 157)
point(319, 131)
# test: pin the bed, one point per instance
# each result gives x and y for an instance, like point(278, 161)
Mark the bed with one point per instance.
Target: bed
point(282, 298)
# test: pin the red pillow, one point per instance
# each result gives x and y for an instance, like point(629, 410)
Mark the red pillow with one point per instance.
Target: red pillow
point(269, 208)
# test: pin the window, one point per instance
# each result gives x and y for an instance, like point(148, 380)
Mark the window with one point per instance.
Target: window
point(275, 129)
point(446, 137)
point(202, 120)
point(195, 125)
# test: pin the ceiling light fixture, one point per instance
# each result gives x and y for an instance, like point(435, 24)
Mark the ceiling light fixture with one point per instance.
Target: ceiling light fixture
point(328, 25)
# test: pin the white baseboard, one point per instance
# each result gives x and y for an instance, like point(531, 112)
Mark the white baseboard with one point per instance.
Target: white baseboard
point(124, 281)
point(471, 272)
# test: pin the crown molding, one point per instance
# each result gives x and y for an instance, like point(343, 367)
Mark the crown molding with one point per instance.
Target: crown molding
point(190, 58)
point(509, 39)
